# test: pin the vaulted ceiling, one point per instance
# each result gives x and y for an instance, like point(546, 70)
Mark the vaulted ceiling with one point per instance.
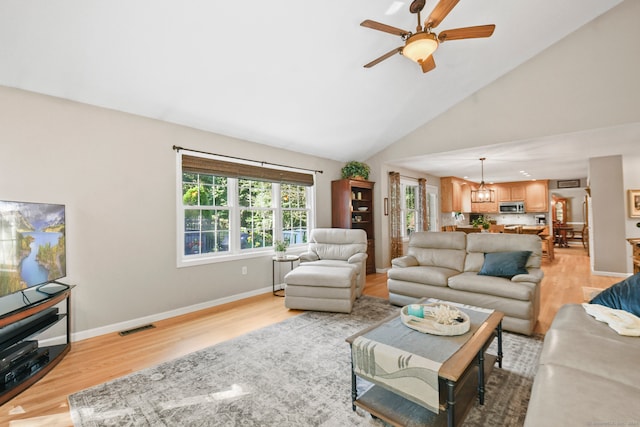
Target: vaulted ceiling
point(287, 74)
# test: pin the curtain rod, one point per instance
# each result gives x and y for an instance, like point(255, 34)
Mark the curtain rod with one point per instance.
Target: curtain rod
point(411, 177)
point(405, 176)
point(178, 148)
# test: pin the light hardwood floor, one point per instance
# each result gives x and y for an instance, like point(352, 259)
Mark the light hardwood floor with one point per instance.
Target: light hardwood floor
point(96, 360)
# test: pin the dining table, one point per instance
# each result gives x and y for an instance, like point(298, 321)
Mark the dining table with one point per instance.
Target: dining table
point(561, 235)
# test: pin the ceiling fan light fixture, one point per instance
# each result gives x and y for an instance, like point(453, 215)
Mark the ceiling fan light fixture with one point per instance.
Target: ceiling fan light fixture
point(420, 46)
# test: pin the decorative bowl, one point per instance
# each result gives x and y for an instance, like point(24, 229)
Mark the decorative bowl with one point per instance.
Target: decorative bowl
point(439, 319)
point(363, 208)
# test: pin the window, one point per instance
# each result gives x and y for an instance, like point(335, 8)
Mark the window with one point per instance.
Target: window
point(222, 215)
point(206, 213)
point(432, 204)
point(295, 213)
point(256, 213)
point(409, 207)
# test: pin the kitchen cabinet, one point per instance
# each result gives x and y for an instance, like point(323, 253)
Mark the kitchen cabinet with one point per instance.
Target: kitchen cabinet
point(352, 207)
point(536, 196)
point(510, 192)
point(455, 195)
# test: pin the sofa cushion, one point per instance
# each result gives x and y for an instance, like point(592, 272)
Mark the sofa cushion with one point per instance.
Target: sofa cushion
point(490, 285)
point(587, 374)
point(505, 264)
point(439, 249)
point(436, 276)
point(533, 275)
point(330, 263)
point(405, 261)
point(589, 352)
point(572, 318)
point(337, 243)
point(565, 396)
point(325, 276)
point(623, 295)
point(479, 244)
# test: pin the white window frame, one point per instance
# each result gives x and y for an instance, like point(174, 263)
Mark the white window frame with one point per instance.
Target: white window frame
point(404, 183)
point(279, 223)
point(235, 252)
point(272, 208)
point(434, 208)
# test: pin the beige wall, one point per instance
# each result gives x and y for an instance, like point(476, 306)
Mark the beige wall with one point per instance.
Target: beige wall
point(631, 174)
point(609, 247)
point(116, 174)
point(380, 176)
point(585, 81)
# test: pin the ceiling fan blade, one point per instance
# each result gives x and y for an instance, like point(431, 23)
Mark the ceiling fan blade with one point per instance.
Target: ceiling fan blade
point(428, 64)
point(384, 27)
point(440, 12)
point(417, 6)
point(383, 57)
point(467, 33)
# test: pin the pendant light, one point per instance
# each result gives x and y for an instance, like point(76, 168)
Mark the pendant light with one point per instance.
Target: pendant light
point(483, 194)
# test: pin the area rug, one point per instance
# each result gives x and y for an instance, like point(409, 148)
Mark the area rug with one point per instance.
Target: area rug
point(293, 373)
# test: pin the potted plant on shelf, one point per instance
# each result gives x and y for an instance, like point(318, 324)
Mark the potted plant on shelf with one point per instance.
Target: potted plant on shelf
point(481, 222)
point(356, 170)
point(280, 246)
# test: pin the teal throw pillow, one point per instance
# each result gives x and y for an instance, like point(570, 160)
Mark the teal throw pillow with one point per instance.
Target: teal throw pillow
point(623, 295)
point(505, 264)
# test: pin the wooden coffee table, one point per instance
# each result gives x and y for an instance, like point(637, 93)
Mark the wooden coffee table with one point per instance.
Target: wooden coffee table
point(461, 379)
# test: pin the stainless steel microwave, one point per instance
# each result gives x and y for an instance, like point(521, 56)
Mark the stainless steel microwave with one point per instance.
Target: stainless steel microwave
point(511, 207)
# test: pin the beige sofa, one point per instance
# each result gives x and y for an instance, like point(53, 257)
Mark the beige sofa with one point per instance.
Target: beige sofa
point(445, 265)
point(587, 375)
point(331, 274)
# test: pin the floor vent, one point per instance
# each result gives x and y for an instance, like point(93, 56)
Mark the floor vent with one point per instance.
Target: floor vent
point(138, 329)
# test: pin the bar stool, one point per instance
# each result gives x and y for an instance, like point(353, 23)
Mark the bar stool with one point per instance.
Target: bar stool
point(547, 247)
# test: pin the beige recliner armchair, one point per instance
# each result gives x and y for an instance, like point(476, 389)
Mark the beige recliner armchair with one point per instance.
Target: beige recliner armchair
point(338, 247)
point(331, 275)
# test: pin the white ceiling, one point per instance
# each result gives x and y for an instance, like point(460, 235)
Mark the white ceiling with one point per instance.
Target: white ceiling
point(283, 73)
point(557, 157)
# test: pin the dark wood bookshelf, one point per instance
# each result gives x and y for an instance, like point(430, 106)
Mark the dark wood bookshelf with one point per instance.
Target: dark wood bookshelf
point(352, 207)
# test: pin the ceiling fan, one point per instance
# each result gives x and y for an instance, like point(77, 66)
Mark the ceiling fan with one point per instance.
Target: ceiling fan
point(419, 46)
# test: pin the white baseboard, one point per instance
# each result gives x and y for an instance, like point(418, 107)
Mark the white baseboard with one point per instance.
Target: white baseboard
point(608, 273)
point(134, 323)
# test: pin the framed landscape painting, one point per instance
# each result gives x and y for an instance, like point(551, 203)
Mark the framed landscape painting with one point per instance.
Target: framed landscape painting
point(634, 203)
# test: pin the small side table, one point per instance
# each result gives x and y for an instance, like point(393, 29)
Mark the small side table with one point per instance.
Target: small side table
point(287, 258)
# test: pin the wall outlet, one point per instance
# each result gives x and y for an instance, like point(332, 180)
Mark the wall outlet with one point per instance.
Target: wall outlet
point(244, 269)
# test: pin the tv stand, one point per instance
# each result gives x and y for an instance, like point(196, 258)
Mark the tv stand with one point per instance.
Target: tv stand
point(23, 316)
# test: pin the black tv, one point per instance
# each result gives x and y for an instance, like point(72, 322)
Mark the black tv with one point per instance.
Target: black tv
point(32, 245)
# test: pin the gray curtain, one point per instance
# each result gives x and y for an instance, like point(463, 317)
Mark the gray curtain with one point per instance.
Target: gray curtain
point(423, 207)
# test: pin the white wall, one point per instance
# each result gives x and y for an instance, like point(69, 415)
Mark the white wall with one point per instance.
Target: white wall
point(116, 174)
